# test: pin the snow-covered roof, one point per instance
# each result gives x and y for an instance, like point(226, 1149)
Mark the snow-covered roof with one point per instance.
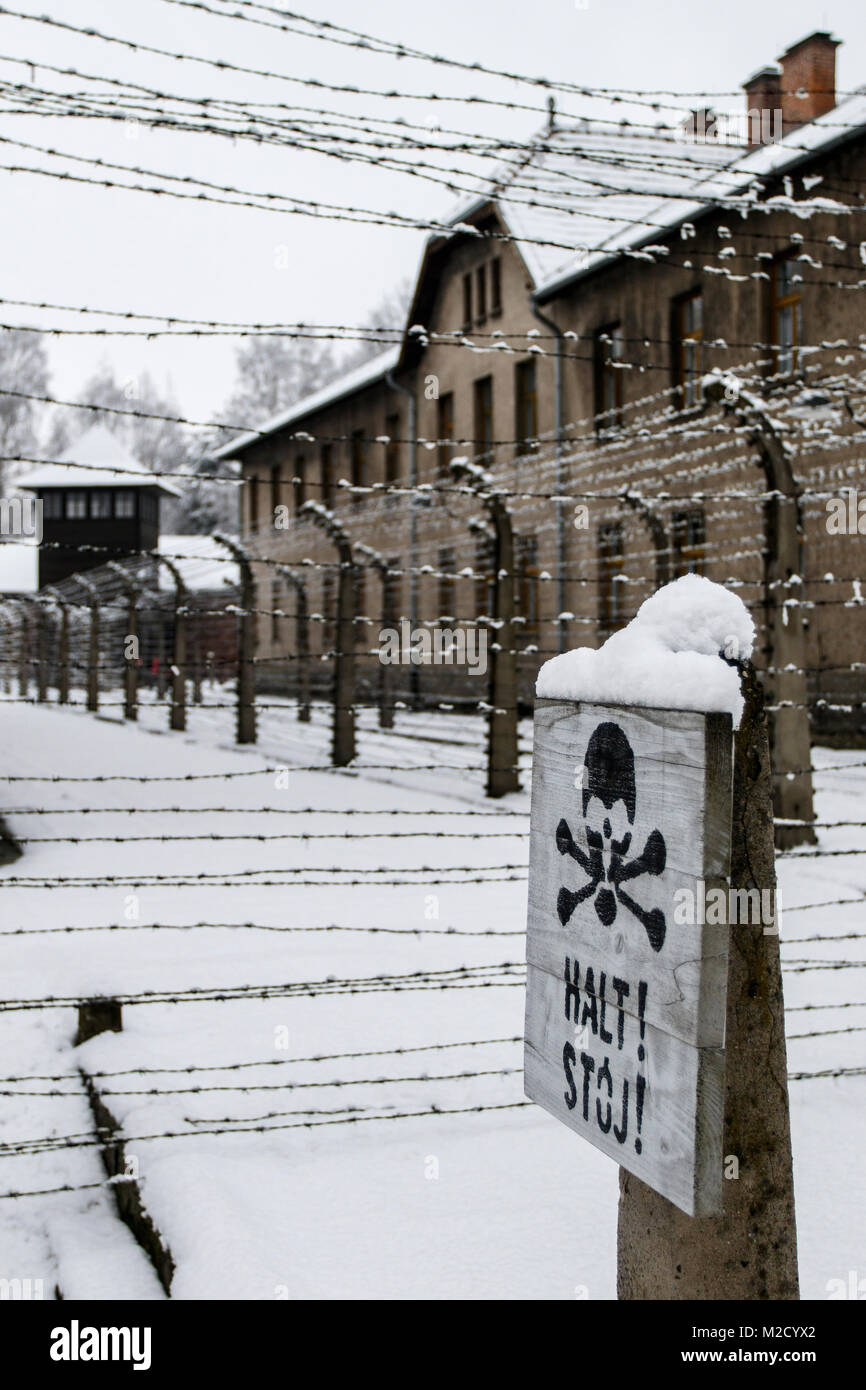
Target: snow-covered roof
point(203, 563)
point(590, 190)
point(681, 180)
point(97, 459)
point(585, 184)
point(19, 566)
point(373, 370)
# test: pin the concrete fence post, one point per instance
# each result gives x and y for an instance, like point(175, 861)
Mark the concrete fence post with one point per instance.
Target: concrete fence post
point(784, 627)
point(246, 681)
point(343, 741)
point(23, 651)
point(62, 648)
point(177, 716)
point(658, 535)
point(302, 641)
point(131, 657)
point(93, 644)
point(389, 620)
point(502, 752)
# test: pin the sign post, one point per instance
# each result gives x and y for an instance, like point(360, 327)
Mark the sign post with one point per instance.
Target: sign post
point(654, 995)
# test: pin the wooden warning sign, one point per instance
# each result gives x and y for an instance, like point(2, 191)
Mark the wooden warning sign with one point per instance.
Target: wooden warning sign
point(625, 999)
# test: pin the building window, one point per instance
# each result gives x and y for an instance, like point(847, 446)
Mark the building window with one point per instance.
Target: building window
point(76, 505)
point(689, 534)
point(526, 589)
point(484, 419)
point(52, 506)
point(688, 347)
point(253, 503)
point(481, 294)
point(447, 584)
point(359, 466)
point(526, 403)
point(100, 505)
point(495, 287)
point(124, 504)
point(392, 455)
point(276, 490)
point(467, 301)
point(326, 476)
point(300, 482)
point(610, 557)
point(786, 315)
point(608, 378)
point(445, 433)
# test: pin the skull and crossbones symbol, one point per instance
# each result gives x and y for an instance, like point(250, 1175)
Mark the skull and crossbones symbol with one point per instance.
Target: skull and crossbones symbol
point(608, 776)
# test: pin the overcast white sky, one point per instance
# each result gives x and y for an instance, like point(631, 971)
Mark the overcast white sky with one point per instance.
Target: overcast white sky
point(120, 250)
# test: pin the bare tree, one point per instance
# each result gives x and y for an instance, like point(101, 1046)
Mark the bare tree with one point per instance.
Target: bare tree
point(23, 367)
point(389, 312)
point(131, 410)
point(272, 374)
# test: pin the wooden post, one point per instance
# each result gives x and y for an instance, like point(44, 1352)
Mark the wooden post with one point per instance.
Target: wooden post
point(177, 717)
point(246, 681)
point(748, 1250)
point(343, 740)
point(784, 628)
point(102, 1015)
point(302, 642)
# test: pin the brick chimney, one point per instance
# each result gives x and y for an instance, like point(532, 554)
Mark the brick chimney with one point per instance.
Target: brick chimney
point(809, 67)
point(764, 105)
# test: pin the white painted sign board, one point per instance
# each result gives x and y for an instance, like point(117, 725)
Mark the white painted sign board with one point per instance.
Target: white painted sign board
point(625, 1006)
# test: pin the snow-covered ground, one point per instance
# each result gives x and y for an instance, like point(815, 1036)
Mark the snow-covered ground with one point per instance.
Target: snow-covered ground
point(499, 1203)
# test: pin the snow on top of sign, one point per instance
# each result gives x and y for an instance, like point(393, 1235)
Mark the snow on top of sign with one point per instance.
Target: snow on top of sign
point(668, 657)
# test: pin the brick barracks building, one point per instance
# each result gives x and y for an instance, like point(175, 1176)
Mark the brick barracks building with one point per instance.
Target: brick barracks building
point(560, 334)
